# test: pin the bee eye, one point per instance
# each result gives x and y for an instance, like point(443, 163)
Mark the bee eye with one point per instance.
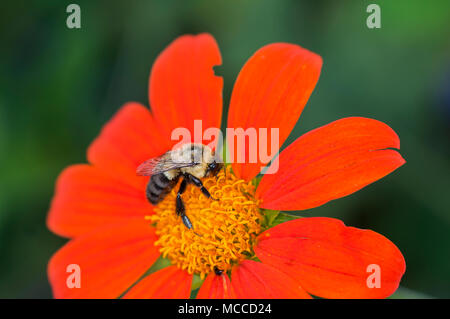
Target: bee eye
point(212, 167)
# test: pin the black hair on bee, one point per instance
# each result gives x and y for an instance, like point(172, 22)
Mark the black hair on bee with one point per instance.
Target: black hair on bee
point(190, 162)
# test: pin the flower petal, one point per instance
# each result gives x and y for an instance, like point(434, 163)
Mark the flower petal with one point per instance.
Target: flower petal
point(183, 87)
point(128, 139)
point(216, 287)
point(111, 259)
point(255, 280)
point(270, 92)
point(86, 198)
point(167, 283)
point(332, 260)
point(330, 162)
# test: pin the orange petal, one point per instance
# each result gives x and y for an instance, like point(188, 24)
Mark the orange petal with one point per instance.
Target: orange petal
point(183, 87)
point(330, 162)
point(127, 140)
point(168, 283)
point(86, 198)
point(270, 92)
point(332, 260)
point(216, 287)
point(111, 259)
point(255, 280)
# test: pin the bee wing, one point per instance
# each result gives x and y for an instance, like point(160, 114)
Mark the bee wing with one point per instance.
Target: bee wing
point(159, 165)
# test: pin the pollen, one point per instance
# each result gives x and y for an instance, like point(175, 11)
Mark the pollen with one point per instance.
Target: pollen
point(224, 230)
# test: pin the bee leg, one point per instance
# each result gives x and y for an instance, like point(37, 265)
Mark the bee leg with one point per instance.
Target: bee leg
point(197, 182)
point(180, 209)
point(186, 221)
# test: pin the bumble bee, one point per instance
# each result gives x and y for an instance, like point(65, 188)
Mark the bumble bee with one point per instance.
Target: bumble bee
point(191, 162)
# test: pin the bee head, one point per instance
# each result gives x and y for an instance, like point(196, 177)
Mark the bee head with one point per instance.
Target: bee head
point(213, 168)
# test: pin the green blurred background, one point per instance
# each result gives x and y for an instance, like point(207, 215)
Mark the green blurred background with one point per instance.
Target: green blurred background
point(58, 86)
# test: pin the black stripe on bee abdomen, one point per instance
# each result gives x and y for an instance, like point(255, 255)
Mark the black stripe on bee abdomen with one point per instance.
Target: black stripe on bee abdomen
point(158, 187)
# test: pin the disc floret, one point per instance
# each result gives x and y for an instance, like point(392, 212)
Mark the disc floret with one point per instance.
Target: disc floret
point(224, 230)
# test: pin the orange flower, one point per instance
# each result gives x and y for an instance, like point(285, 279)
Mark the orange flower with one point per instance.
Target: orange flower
point(117, 235)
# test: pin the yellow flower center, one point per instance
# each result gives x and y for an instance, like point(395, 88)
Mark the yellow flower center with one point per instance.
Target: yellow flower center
point(223, 231)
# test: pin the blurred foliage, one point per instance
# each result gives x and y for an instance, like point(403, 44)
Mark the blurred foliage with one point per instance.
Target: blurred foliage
point(59, 86)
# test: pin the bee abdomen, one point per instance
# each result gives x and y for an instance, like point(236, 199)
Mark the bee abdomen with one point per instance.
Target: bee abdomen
point(158, 187)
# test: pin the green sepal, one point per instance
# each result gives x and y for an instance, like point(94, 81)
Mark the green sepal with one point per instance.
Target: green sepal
point(283, 217)
point(196, 282)
point(269, 217)
point(256, 181)
point(159, 264)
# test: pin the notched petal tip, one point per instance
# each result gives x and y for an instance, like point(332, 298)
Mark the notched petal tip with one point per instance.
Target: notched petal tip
point(182, 78)
point(330, 162)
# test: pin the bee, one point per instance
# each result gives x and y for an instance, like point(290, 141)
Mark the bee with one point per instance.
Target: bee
point(191, 162)
point(218, 271)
